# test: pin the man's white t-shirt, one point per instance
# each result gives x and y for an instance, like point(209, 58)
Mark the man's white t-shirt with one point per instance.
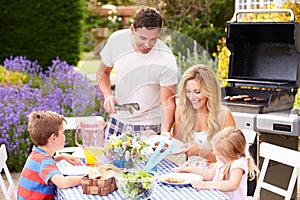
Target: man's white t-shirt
point(139, 76)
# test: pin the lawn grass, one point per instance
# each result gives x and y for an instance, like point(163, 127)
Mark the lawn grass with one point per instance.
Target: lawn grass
point(89, 62)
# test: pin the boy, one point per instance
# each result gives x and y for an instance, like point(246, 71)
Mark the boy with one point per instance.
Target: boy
point(40, 174)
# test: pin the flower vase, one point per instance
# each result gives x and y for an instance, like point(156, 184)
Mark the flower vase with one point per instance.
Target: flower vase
point(122, 163)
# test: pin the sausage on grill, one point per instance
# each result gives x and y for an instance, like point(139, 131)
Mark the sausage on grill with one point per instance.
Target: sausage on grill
point(247, 99)
point(259, 99)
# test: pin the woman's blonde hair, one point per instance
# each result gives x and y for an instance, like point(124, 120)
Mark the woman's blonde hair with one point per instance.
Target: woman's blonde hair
point(231, 143)
point(210, 87)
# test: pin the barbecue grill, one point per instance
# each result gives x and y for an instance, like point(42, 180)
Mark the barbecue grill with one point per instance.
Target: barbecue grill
point(264, 65)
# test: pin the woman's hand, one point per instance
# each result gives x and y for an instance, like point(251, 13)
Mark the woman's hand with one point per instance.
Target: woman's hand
point(192, 150)
point(167, 134)
point(148, 133)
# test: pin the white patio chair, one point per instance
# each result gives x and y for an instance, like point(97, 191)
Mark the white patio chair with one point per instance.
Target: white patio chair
point(281, 155)
point(72, 124)
point(11, 189)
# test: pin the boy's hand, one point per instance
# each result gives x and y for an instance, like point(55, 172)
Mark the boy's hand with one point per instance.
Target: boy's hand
point(72, 159)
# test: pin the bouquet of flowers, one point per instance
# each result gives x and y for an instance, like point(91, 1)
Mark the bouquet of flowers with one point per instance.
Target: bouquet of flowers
point(126, 147)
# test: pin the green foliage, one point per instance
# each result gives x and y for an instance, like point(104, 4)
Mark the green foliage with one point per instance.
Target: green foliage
point(92, 20)
point(41, 30)
point(297, 100)
point(203, 21)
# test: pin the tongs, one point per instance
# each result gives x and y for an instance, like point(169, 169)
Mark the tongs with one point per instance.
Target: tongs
point(156, 157)
point(130, 107)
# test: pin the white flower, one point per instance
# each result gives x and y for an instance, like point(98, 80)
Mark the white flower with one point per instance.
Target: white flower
point(136, 145)
point(127, 155)
point(147, 150)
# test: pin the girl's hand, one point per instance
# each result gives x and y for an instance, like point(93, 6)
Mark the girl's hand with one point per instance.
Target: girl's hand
point(198, 184)
point(72, 159)
point(182, 169)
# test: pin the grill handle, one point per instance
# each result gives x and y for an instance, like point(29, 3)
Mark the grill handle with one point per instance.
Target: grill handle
point(243, 11)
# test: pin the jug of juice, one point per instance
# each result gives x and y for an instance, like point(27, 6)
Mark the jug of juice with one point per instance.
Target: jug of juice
point(92, 136)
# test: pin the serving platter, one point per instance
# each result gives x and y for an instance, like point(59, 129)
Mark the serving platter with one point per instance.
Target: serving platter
point(153, 140)
point(183, 178)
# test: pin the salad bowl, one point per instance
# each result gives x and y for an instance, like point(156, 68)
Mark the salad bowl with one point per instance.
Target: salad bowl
point(136, 185)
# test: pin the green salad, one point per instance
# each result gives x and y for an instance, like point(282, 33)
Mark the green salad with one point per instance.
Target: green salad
point(136, 184)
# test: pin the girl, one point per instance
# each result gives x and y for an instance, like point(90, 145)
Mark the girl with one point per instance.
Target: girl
point(230, 173)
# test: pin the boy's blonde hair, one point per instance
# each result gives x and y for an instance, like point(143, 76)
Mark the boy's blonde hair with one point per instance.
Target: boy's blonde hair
point(231, 143)
point(42, 124)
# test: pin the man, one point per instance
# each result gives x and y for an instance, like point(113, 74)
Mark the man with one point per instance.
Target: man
point(146, 73)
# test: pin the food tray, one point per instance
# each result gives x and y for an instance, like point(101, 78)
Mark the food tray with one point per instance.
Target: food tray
point(98, 186)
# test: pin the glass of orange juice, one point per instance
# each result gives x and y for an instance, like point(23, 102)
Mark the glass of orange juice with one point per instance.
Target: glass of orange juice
point(91, 154)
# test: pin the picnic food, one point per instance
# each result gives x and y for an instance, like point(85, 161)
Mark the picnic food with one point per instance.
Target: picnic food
point(136, 184)
point(100, 180)
point(174, 180)
point(260, 99)
point(104, 171)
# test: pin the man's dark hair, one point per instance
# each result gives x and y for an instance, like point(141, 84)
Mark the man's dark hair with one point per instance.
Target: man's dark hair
point(147, 17)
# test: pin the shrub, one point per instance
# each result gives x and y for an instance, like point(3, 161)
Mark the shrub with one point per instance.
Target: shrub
point(61, 89)
point(41, 30)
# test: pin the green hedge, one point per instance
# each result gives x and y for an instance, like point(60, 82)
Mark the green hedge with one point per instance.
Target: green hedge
point(41, 30)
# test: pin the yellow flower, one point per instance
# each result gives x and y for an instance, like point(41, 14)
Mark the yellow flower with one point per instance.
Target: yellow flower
point(118, 143)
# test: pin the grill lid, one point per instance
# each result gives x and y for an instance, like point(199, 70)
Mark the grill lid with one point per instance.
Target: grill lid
point(264, 53)
point(265, 63)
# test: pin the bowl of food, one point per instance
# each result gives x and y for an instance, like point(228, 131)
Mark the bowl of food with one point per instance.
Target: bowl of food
point(136, 184)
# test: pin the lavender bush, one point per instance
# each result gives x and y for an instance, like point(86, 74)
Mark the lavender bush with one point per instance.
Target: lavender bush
point(61, 89)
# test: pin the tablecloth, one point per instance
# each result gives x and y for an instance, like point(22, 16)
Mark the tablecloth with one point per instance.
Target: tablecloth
point(161, 192)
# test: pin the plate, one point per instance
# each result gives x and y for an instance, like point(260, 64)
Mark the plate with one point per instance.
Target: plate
point(187, 177)
point(179, 146)
point(79, 153)
point(75, 170)
point(152, 139)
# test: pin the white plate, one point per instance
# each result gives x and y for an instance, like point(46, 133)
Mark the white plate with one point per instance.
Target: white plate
point(79, 153)
point(188, 178)
point(152, 139)
point(75, 170)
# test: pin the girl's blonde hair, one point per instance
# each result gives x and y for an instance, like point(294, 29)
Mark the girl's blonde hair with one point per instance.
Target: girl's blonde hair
point(210, 87)
point(231, 143)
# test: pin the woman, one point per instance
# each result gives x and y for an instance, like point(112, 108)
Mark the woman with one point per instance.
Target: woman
point(199, 114)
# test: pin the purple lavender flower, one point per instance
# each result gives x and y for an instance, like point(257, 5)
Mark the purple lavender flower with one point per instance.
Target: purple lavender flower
point(61, 89)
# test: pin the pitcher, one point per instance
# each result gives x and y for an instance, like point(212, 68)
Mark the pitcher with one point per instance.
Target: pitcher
point(92, 136)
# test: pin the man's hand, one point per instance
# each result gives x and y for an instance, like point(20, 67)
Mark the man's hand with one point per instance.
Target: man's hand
point(109, 104)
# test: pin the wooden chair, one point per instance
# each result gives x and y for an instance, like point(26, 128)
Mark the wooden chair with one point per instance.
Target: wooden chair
point(72, 124)
point(11, 189)
point(281, 155)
